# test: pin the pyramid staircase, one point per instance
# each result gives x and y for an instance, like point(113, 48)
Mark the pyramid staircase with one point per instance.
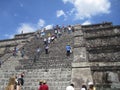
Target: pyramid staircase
point(54, 67)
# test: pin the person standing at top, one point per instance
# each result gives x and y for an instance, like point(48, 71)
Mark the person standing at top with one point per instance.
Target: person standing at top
point(69, 29)
point(45, 41)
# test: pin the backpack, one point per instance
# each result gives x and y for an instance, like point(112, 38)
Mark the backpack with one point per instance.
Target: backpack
point(21, 81)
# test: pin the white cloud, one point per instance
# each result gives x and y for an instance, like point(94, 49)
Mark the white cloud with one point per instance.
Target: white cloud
point(49, 27)
point(25, 27)
point(65, 1)
point(21, 5)
point(70, 12)
point(41, 23)
point(15, 15)
point(88, 8)
point(10, 36)
point(60, 13)
point(86, 23)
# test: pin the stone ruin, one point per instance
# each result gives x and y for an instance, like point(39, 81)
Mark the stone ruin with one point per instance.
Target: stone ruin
point(95, 57)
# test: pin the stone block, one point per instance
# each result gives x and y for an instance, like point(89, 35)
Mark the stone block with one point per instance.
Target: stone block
point(80, 54)
point(80, 76)
point(79, 41)
point(78, 33)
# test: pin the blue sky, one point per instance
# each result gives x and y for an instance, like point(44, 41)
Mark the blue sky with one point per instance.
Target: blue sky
point(31, 15)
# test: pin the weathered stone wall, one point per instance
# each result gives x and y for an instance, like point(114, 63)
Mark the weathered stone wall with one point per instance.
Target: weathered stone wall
point(108, 41)
point(105, 57)
point(97, 56)
point(103, 45)
point(102, 32)
point(96, 53)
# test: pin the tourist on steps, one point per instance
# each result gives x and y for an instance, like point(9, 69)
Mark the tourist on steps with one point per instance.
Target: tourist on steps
point(22, 52)
point(11, 83)
point(38, 50)
point(68, 49)
point(15, 50)
point(46, 49)
point(40, 83)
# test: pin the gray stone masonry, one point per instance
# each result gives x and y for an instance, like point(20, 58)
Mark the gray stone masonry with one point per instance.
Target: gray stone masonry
point(95, 58)
point(80, 74)
point(55, 68)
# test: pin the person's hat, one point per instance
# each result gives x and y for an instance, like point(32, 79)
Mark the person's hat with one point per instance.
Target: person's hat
point(40, 81)
point(90, 83)
point(44, 81)
point(68, 43)
point(72, 84)
point(83, 83)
